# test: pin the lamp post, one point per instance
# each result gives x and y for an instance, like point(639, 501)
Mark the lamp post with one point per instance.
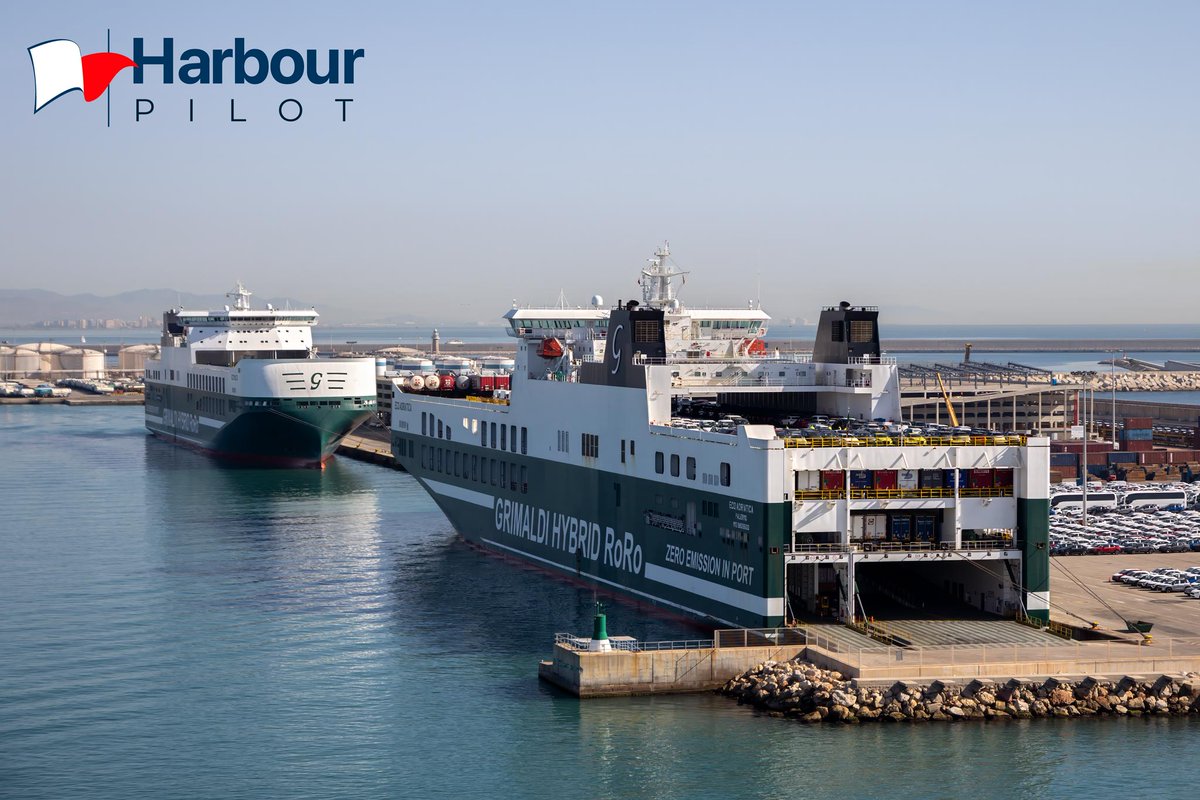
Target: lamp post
point(1112, 385)
point(1084, 419)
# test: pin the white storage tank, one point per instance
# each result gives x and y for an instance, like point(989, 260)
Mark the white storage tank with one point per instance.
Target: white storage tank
point(78, 362)
point(497, 364)
point(133, 358)
point(453, 364)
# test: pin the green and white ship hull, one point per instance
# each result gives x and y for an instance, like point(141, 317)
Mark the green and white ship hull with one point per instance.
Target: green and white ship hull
point(244, 384)
point(618, 531)
point(265, 430)
point(586, 469)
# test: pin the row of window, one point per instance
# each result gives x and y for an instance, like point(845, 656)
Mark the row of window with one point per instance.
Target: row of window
point(730, 324)
point(735, 538)
point(495, 435)
point(211, 405)
point(480, 469)
point(590, 445)
point(206, 383)
point(659, 467)
point(558, 324)
point(507, 440)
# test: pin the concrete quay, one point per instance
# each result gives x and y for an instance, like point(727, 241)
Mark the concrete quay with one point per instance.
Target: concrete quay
point(369, 445)
point(951, 651)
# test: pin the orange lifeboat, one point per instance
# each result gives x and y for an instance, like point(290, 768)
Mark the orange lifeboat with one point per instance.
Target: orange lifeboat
point(551, 348)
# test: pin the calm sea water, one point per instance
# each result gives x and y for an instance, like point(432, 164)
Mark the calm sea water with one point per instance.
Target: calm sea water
point(172, 628)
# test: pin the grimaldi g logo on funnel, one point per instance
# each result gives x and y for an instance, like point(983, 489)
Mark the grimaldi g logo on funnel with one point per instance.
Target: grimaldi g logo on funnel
point(59, 67)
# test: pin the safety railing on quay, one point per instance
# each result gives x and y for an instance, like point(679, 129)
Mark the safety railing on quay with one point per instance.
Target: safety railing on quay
point(900, 494)
point(1012, 653)
point(997, 440)
point(581, 643)
point(880, 654)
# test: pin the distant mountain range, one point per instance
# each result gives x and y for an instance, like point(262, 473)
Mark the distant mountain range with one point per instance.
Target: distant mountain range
point(19, 307)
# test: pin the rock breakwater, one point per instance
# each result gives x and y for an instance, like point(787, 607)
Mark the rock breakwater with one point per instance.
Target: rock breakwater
point(1149, 381)
point(809, 694)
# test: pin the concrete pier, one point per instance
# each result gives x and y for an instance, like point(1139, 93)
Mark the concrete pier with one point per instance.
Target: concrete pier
point(365, 446)
point(681, 670)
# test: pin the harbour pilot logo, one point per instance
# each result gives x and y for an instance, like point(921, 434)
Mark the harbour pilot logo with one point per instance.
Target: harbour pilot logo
point(60, 67)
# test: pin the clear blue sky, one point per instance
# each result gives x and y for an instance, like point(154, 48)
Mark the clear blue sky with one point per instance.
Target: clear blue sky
point(957, 162)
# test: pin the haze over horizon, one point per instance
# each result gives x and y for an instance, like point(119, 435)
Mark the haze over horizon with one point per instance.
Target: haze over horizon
point(951, 163)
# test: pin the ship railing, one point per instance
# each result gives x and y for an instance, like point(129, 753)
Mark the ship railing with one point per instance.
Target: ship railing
point(835, 547)
point(499, 401)
point(996, 440)
point(581, 643)
point(874, 360)
point(901, 494)
point(784, 358)
point(888, 546)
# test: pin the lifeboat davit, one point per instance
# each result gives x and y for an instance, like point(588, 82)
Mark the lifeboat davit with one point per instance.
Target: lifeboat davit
point(551, 348)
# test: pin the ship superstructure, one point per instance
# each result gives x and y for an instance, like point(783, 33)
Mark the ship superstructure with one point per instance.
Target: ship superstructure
point(245, 383)
point(660, 451)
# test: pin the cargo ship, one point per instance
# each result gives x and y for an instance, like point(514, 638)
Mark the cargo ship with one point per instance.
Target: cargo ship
point(245, 384)
point(664, 453)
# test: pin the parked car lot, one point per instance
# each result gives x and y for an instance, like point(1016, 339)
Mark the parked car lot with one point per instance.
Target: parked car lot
point(1143, 530)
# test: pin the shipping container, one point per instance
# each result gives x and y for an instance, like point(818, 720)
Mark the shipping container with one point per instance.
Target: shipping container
point(807, 480)
point(860, 479)
point(483, 383)
point(908, 479)
point(1064, 460)
point(926, 529)
point(1138, 446)
point(900, 527)
point(503, 382)
point(953, 475)
point(874, 526)
point(1003, 478)
point(885, 479)
point(980, 479)
point(1122, 458)
point(832, 480)
point(1139, 422)
point(932, 479)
